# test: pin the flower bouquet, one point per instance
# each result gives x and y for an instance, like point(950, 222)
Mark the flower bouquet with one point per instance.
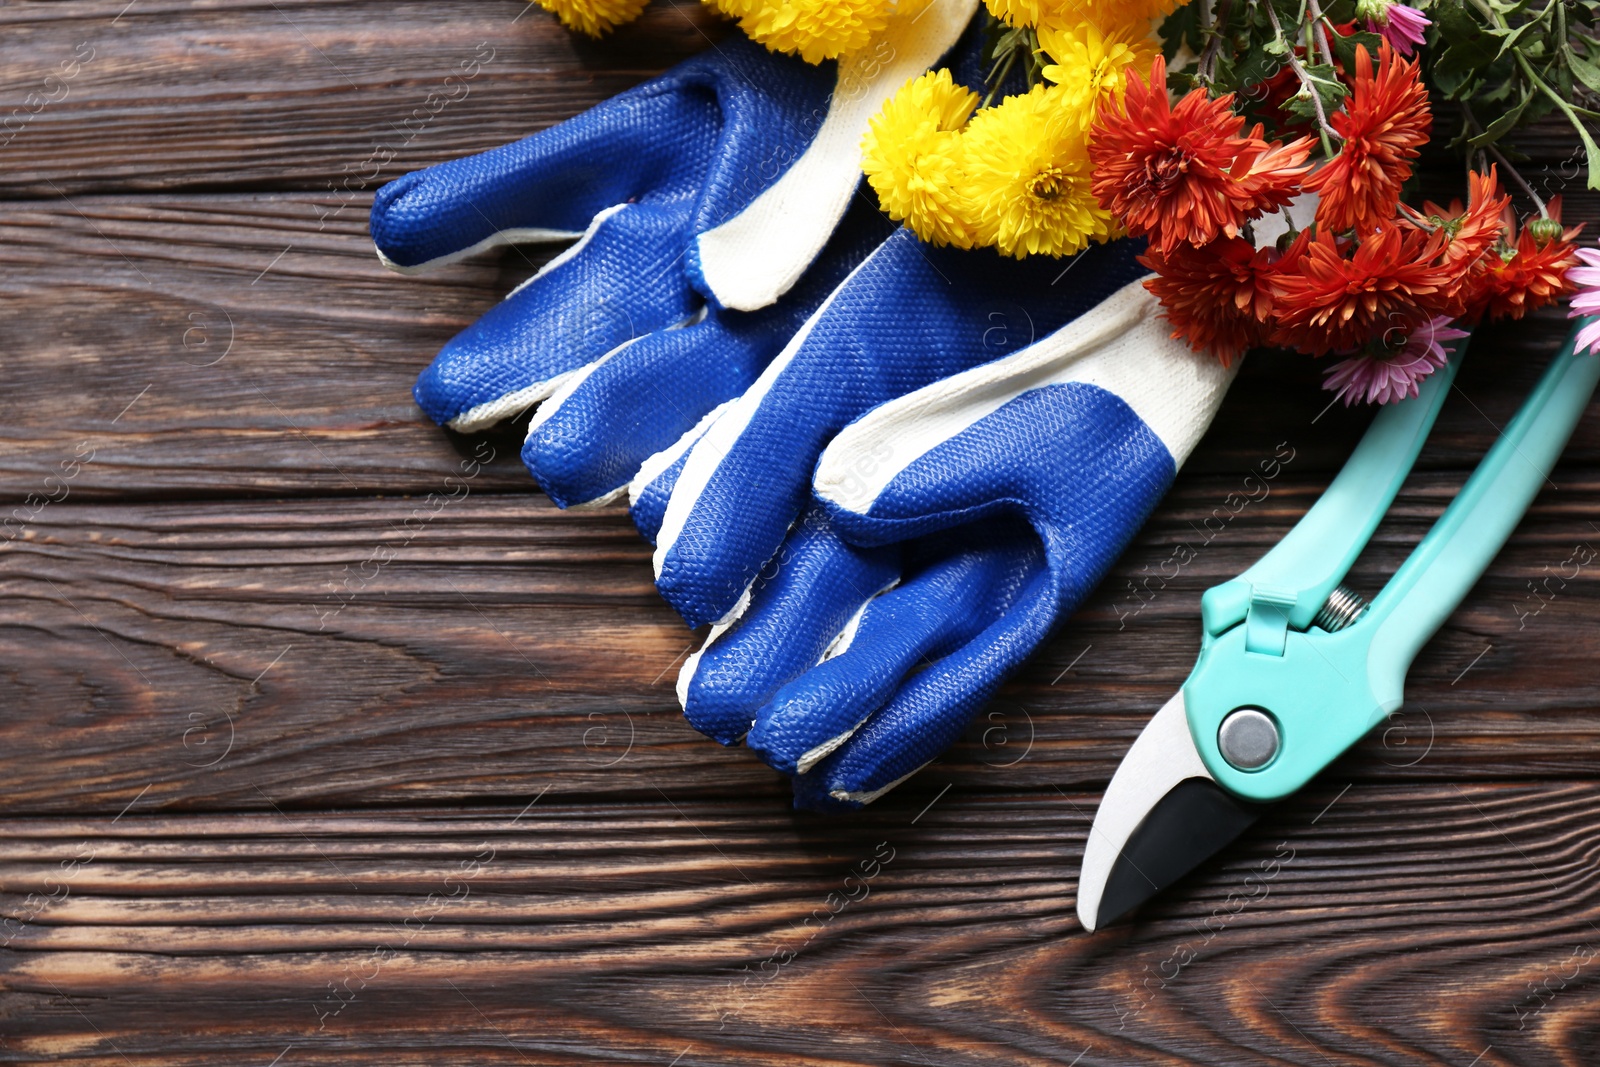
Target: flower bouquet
point(1264, 148)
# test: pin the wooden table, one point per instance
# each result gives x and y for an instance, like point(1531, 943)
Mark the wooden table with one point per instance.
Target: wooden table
point(318, 750)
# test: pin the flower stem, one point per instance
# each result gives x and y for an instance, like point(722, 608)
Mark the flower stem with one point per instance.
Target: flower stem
point(1208, 59)
point(1328, 132)
point(1566, 109)
point(1319, 33)
point(1522, 183)
point(1516, 175)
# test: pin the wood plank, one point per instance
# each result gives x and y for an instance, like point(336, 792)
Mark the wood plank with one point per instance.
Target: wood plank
point(224, 346)
point(300, 94)
point(297, 94)
point(363, 652)
point(241, 345)
point(937, 930)
point(176, 638)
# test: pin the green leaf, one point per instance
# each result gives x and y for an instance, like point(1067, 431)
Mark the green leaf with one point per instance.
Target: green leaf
point(1537, 109)
point(1517, 36)
point(1499, 89)
point(1498, 128)
point(1468, 55)
point(1592, 150)
point(1181, 28)
point(1256, 68)
point(1585, 71)
point(1345, 47)
point(1455, 21)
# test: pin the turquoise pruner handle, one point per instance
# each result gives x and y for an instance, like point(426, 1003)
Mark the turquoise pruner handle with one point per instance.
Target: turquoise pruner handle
point(1444, 567)
point(1298, 574)
point(1323, 690)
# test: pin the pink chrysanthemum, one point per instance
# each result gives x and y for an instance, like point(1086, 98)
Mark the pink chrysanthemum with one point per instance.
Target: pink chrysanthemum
point(1587, 299)
point(1390, 367)
point(1400, 25)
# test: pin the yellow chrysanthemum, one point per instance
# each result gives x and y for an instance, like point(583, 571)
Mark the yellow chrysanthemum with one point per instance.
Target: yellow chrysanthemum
point(593, 17)
point(1027, 175)
point(912, 156)
point(1093, 67)
point(1072, 12)
point(815, 30)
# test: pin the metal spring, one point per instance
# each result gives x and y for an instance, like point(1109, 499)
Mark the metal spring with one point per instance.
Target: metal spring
point(1344, 607)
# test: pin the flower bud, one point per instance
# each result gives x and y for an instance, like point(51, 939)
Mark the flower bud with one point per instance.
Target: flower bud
point(1544, 231)
point(1375, 12)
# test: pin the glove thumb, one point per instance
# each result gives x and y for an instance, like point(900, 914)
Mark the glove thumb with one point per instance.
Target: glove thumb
point(1075, 431)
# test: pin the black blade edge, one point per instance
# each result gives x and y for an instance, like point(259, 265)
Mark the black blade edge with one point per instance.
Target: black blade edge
point(1189, 825)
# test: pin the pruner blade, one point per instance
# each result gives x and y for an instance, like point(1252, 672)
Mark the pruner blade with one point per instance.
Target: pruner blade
point(1162, 815)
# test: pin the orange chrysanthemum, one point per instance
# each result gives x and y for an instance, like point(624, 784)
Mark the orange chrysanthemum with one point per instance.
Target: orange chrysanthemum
point(1330, 298)
point(1217, 297)
point(1510, 281)
point(1465, 234)
point(1384, 125)
point(1187, 173)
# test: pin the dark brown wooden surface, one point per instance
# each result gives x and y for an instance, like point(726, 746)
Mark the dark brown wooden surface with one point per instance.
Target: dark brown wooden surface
point(263, 801)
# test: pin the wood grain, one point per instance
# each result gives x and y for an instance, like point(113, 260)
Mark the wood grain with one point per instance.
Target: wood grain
point(380, 651)
point(226, 346)
point(325, 738)
point(642, 932)
point(296, 94)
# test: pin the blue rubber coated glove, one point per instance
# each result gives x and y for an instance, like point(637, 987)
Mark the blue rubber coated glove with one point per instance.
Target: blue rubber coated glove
point(909, 316)
point(951, 529)
point(706, 210)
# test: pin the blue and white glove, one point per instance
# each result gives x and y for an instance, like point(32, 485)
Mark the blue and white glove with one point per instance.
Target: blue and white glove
point(696, 201)
point(908, 316)
point(952, 526)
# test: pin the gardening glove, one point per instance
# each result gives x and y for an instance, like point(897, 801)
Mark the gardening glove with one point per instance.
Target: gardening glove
point(952, 527)
point(700, 202)
point(908, 316)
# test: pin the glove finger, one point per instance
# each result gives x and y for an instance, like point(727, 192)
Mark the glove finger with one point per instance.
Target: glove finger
point(594, 433)
point(910, 315)
point(652, 487)
point(940, 608)
point(650, 144)
point(803, 600)
point(622, 281)
point(931, 710)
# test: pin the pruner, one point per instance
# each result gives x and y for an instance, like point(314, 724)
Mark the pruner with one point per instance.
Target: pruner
point(1294, 667)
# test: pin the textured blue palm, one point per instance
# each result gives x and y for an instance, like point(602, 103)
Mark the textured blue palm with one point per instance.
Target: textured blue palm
point(647, 395)
point(1002, 531)
point(910, 315)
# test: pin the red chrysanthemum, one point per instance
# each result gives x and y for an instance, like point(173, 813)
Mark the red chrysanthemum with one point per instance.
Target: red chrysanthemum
point(1335, 294)
point(1217, 297)
point(1462, 237)
point(1188, 173)
point(1384, 125)
point(1510, 281)
point(1467, 233)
